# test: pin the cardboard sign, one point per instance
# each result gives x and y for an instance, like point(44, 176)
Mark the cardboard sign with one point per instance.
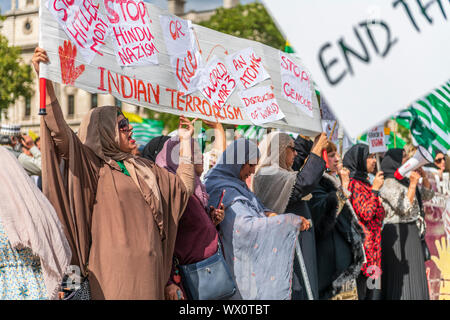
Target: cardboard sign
point(132, 34)
point(261, 105)
point(296, 84)
point(217, 83)
point(83, 24)
point(162, 87)
point(247, 68)
point(376, 140)
point(371, 58)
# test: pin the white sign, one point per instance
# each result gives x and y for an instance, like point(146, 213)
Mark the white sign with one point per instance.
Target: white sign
point(376, 140)
point(83, 24)
point(132, 34)
point(217, 83)
point(370, 58)
point(296, 84)
point(247, 68)
point(161, 87)
point(185, 58)
point(260, 105)
point(177, 35)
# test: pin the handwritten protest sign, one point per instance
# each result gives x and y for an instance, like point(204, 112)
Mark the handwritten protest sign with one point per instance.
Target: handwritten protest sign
point(247, 67)
point(296, 84)
point(132, 35)
point(327, 126)
point(159, 87)
point(261, 105)
point(376, 140)
point(371, 58)
point(217, 83)
point(83, 24)
point(185, 58)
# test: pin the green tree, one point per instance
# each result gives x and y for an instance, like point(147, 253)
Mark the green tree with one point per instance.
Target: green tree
point(15, 76)
point(250, 21)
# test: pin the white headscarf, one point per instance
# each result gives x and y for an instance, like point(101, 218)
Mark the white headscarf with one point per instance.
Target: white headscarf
point(274, 180)
point(30, 221)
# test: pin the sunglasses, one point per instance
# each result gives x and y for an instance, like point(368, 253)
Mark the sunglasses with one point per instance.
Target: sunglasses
point(439, 160)
point(124, 125)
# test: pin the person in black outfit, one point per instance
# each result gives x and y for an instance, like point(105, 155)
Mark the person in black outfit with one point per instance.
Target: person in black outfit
point(339, 236)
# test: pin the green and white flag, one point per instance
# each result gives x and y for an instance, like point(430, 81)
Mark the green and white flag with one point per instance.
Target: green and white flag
point(144, 129)
point(429, 120)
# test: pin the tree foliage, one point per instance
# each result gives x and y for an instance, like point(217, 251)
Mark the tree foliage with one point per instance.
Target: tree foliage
point(250, 21)
point(15, 76)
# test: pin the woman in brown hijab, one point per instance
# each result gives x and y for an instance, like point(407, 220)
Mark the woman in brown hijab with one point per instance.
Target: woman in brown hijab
point(120, 211)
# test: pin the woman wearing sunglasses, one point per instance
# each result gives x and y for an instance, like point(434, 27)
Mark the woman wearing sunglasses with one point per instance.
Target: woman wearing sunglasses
point(120, 211)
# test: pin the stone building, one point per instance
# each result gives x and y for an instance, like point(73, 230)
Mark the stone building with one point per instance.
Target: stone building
point(21, 27)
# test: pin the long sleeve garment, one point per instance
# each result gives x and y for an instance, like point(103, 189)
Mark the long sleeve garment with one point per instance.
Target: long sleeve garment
point(32, 165)
point(396, 202)
point(339, 237)
point(305, 183)
point(367, 206)
point(113, 231)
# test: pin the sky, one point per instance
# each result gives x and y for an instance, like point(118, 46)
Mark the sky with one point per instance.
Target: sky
point(198, 5)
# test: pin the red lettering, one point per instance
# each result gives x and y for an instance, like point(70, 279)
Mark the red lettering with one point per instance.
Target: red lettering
point(102, 80)
point(115, 17)
point(122, 77)
point(175, 29)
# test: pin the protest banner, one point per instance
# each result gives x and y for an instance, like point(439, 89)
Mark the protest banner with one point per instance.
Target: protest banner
point(371, 58)
point(158, 86)
point(376, 140)
point(247, 67)
point(260, 105)
point(185, 57)
point(296, 84)
point(217, 83)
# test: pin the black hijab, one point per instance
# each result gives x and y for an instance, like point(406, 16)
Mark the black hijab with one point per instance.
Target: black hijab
point(154, 146)
point(303, 148)
point(355, 160)
point(391, 162)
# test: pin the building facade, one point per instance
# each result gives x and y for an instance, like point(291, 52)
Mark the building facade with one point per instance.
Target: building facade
point(21, 27)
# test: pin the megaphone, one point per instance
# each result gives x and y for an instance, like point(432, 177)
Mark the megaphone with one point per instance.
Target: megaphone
point(420, 158)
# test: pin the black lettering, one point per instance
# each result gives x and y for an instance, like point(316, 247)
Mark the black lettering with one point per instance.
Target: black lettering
point(389, 41)
point(347, 51)
point(425, 8)
point(326, 67)
point(408, 12)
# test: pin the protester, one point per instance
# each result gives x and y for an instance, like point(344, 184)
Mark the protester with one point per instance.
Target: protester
point(258, 244)
point(34, 252)
point(439, 162)
point(282, 189)
point(367, 206)
point(153, 147)
point(197, 236)
point(403, 262)
point(22, 147)
point(120, 211)
point(339, 236)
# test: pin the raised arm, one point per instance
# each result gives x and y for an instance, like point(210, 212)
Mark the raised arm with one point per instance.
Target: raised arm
point(54, 120)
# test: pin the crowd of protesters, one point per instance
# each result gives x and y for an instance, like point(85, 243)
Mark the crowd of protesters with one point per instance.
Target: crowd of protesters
point(272, 220)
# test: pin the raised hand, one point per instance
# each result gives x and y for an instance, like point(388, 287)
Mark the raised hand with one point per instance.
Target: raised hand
point(67, 55)
point(442, 261)
point(185, 128)
point(39, 56)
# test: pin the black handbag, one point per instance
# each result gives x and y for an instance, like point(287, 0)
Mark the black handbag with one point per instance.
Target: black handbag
point(209, 279)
